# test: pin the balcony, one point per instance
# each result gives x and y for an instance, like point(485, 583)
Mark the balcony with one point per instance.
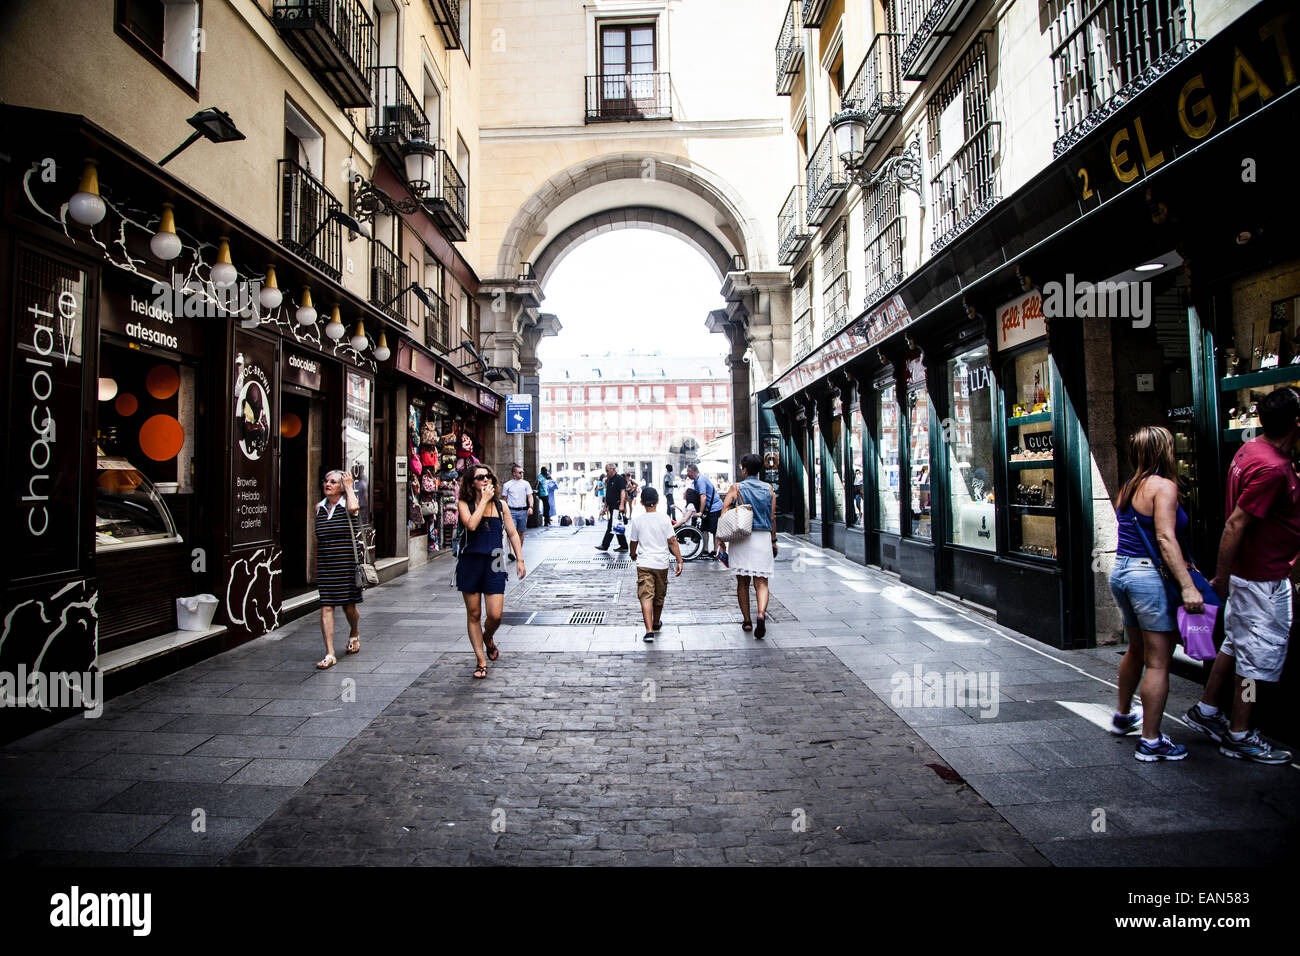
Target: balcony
point(437, 326)
point(629, 96)
point(396, 117)
point(447, 201)
point(826, 179)
point(926, 26)
point(791, 236)
point(814, 12)
point(789, 51)
point(835, 305)
point(387, 280)
point(1104, 54)
point(877, 88)
point(305, 224)
point(446, 15)
point(336, 41)
point(886, 234)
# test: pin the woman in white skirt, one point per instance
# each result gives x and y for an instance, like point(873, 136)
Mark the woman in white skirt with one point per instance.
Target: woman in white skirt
point(753, 556)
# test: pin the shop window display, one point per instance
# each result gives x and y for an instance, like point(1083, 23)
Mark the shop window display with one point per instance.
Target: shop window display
point(145, 448)
point(887, 453)
point(918, 433)
point(968, 441)
point(853, 491)
point(834, 451)
point(1031, 462)
point(814, 509)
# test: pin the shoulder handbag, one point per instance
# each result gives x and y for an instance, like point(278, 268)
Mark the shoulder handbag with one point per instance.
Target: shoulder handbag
point(735, 525)
point(366, 575)
point(1196, 631)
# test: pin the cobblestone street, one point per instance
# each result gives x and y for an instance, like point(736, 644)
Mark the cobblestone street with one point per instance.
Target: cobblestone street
point(585, 745)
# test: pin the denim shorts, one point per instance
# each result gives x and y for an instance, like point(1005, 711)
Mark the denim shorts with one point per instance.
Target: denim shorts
point(1141, 594)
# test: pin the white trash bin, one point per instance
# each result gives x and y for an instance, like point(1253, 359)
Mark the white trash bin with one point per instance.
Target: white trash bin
point(195, 613)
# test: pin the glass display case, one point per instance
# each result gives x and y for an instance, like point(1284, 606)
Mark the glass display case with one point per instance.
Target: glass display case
point(887, 453)
point(968, 438)
point(853, 475)
point(918, 436)
point(1031, 455)
point(129, 509)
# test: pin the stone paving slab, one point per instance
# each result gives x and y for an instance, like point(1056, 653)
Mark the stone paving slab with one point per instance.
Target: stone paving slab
point(780, 756)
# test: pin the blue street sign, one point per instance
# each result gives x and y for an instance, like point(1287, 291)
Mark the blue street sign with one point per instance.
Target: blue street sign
point(519, 414)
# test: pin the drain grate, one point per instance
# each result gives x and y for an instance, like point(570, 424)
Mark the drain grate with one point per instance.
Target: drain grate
point(587, 617)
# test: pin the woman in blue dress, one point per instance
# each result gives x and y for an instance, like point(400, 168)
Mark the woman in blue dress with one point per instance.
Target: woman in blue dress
point(481, 566)
point(336, 562)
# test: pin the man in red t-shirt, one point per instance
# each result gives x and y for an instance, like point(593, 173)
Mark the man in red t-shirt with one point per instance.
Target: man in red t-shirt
point(1258, 549)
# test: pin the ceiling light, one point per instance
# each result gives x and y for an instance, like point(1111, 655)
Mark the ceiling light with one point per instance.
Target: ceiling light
point(165, 244)
point(224, 273)
point(86, 206)
point(306, 315)
point(334, 327)
point(271, 296)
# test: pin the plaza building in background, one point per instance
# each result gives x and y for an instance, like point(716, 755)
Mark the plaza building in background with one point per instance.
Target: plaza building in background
point(640, 411)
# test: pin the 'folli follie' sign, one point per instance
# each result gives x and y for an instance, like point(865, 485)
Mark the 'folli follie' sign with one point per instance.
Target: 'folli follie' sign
point(1233, 75)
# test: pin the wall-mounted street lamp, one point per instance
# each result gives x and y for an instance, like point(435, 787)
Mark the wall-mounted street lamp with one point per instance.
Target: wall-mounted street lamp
point(490, 373)
point(211, 124)
point(339, 216)
point(421, 294)
point(850, 128)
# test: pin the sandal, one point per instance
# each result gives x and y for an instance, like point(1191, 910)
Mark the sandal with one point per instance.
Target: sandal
point(480, 672)
point(493, 652)
point(762, 626)
point(326, 662)
point(354, 644)
point(747, 626)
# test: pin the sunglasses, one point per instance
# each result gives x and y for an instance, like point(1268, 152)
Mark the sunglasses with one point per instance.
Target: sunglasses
point(488, 477)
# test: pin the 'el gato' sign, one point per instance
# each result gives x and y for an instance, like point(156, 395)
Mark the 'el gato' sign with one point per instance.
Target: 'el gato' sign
point(1233, 75)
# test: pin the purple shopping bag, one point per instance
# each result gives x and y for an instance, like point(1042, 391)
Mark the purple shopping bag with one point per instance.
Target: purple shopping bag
point(1197, 632)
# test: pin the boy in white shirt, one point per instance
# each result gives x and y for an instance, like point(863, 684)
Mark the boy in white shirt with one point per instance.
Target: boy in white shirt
point(651, 534)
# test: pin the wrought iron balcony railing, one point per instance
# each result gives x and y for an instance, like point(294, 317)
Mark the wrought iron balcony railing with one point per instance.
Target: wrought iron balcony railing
point(336, 41)
point(387, 279)
point(964, 147)
point(789, 51)
point(826, 177)
point(447, 201)
point(886, 235)
point(446, 15)
point(629, 96)
point(926, 26)
point(396, 117)
point(437, 326)
point(814, 12)
point(835, 305)
point(305, 225)
point(1105, 53)
point(791, 235)
point(877, 88)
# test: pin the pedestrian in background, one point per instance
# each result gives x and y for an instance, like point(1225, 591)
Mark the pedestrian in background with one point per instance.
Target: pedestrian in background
point(710, 507)
point(481, 564)
point(651, 534)
point(1256, 555)
point(336, 562)
point(753, 558)
point(670, 484)
point(1148, 507)
point(544, 496)
point(519, 498)
point(615, 502)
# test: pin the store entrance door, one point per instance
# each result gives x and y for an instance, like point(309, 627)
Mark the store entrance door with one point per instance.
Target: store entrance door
point(301, 440)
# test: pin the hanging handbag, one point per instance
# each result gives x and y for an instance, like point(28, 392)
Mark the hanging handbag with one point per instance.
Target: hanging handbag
point(366, 575)
point(1195, 631)
point(428, 434)
point(428, 483)
point(735, 525)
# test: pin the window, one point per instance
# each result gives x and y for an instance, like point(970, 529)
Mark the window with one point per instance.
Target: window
point(561, 419)
point(887, 448)
point(835, 282)
point(645, 442)
point(168, 34)
point(684, 417)
point(303, 142)
point(708, 417)
point(968, 441)
point(593, 395)
point(462, 167)
point(659, 394)
point(626, 52)
point(706, 393)
point(643, 418)
point(464, 27)
point(660, 418)
point(643, 393)
point(546, 394)
point(684, 394)
point(918, 432)
point(611, 419)
point(546, 419)
point(629, 395)
point(433, 107)
point(628, 418)
point(579, 419)
point(580, 443)
point(720, 393)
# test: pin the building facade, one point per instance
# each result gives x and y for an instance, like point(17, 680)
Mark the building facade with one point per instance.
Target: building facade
point(639, 411)
point(197, 334)
point(1051, 231)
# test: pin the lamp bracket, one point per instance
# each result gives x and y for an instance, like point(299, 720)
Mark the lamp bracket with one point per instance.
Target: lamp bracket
point(903, 170)
point(370, 200)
